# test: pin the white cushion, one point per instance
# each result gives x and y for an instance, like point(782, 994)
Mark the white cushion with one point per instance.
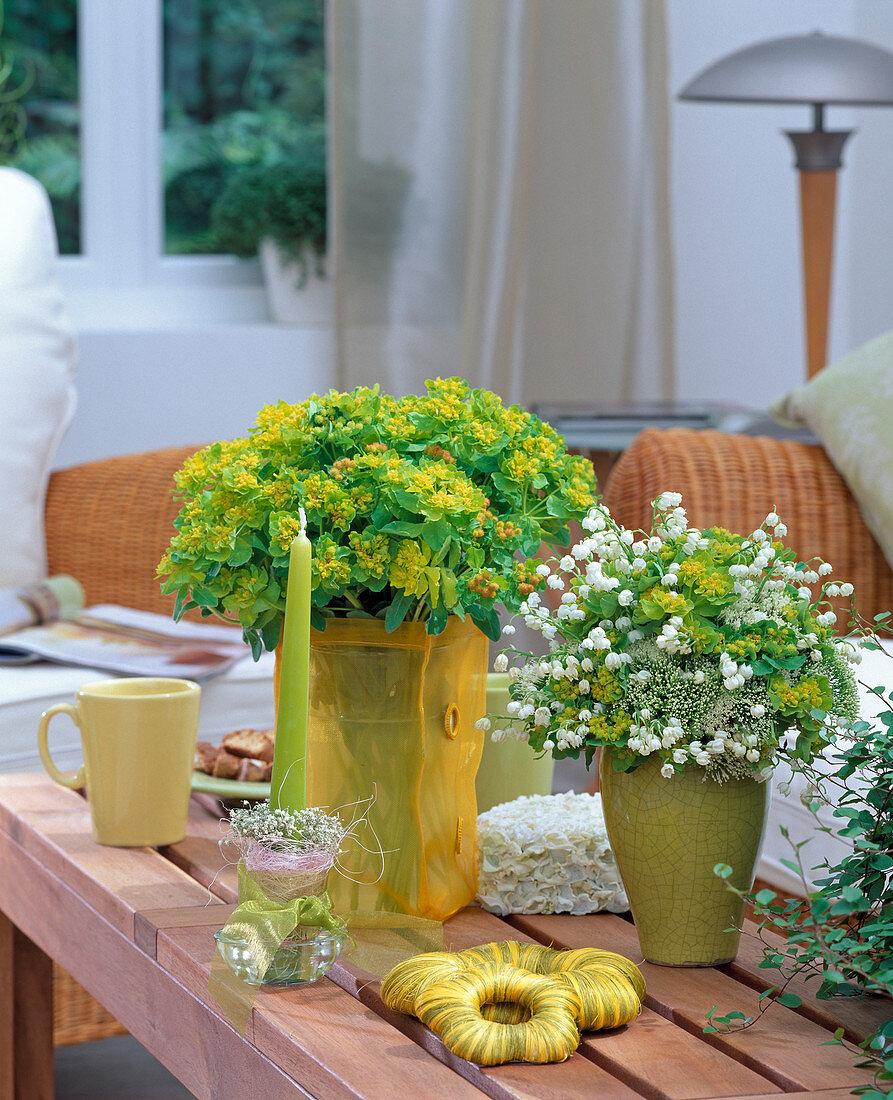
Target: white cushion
point(240, 697)
point(849, 407)
point(37, 357)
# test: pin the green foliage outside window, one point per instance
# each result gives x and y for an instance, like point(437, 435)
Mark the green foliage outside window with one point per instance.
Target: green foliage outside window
point(244, 86)
point(39, 104)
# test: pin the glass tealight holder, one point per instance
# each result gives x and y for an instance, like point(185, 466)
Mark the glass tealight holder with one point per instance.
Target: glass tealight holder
point(305, 957)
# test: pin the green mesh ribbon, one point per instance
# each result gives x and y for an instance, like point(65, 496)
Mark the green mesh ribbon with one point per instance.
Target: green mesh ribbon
point(263, 925)
point(376, 943)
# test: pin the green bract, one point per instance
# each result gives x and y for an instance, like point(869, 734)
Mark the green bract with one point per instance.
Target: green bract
point(416, 509)
point(704, 647)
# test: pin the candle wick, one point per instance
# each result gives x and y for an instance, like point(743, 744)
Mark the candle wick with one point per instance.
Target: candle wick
point(302, 517)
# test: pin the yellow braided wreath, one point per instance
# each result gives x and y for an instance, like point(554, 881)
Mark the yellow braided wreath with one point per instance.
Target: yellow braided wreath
point(482, 1001)
point(452, 1007)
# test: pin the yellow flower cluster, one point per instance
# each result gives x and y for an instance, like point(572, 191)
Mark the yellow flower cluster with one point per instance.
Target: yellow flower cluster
point(806, 695)
point(415, 506)
point(407, 568)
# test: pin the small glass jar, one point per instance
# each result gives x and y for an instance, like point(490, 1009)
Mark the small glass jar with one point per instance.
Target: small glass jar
point(305, 957)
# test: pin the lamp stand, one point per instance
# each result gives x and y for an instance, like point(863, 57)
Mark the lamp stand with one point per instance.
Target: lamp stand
point(818, 153)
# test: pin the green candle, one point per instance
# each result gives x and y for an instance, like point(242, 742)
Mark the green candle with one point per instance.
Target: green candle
point(289, 783)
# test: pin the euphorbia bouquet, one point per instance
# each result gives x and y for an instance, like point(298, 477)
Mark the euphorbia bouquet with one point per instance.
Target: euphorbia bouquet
point(703, 647)
point(417, 508)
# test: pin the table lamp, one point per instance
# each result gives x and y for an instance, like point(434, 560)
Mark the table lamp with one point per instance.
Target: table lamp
point(817, 69)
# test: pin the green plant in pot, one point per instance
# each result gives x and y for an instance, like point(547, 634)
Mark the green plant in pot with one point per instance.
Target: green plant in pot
point(688, 658)
point(277, 212)
point(422, 513)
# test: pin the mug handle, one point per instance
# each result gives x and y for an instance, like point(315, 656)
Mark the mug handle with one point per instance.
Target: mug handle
point(75, 780)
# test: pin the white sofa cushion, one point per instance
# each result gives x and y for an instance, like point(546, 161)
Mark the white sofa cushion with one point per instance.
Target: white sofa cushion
point(240, 697)
point(849, 407)
point(37, 358)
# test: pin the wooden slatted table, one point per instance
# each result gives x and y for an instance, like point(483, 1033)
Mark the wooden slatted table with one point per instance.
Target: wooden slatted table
point(134, 927)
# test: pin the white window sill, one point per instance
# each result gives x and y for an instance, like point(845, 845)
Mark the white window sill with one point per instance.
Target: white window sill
point(186, 293)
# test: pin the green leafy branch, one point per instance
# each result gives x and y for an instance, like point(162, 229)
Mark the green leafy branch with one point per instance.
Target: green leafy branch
point(840, 934)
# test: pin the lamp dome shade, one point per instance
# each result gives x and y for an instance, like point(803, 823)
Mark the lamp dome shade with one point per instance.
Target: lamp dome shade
point(804, 68)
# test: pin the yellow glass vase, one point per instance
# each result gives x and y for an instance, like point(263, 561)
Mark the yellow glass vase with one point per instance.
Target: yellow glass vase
point(667, 836)
point(392, 720)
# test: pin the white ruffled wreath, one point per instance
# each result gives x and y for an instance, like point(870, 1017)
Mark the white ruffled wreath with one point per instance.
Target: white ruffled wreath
point(547, 854)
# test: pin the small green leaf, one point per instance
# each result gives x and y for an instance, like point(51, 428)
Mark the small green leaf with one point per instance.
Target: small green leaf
point(396, 613)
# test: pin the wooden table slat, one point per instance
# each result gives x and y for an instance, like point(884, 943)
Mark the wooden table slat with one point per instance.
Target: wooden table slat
point(821, 1094)
point(52, 823)
point(299, 1028)
point(148, 922)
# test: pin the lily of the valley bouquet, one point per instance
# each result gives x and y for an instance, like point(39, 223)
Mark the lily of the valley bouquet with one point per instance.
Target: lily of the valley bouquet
point(703, 647)
point(418, 508)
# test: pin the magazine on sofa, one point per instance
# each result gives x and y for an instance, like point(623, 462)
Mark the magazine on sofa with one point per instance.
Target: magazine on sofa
point(118, 639)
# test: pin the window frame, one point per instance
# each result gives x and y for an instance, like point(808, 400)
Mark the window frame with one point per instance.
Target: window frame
point(122, 278)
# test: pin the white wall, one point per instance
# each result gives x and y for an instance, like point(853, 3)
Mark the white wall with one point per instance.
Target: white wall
point(737, 262)
point(735, 208)
point(139, 389)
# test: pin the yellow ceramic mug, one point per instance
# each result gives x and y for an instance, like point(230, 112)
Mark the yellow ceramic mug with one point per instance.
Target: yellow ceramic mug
point(138, 737)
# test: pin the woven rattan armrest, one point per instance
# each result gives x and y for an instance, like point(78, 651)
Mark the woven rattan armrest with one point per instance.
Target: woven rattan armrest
point(109, 522)
point(734, 480)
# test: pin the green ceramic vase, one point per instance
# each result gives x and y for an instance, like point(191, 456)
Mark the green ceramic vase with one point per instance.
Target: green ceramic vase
point(667, 836)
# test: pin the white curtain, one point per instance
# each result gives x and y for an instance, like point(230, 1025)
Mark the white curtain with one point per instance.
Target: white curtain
point(499, 196)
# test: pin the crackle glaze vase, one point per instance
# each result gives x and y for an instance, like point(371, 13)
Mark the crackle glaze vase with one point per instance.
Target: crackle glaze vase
point(667, 836)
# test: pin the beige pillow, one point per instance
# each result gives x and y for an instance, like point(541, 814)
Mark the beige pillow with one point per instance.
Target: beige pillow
point(849, 407)
point(37, 357)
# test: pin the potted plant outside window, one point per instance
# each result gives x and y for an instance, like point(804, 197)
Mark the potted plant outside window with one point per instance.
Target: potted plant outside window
point(278, 212)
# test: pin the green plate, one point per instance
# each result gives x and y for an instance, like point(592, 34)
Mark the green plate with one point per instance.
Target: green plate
point(230, 789)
